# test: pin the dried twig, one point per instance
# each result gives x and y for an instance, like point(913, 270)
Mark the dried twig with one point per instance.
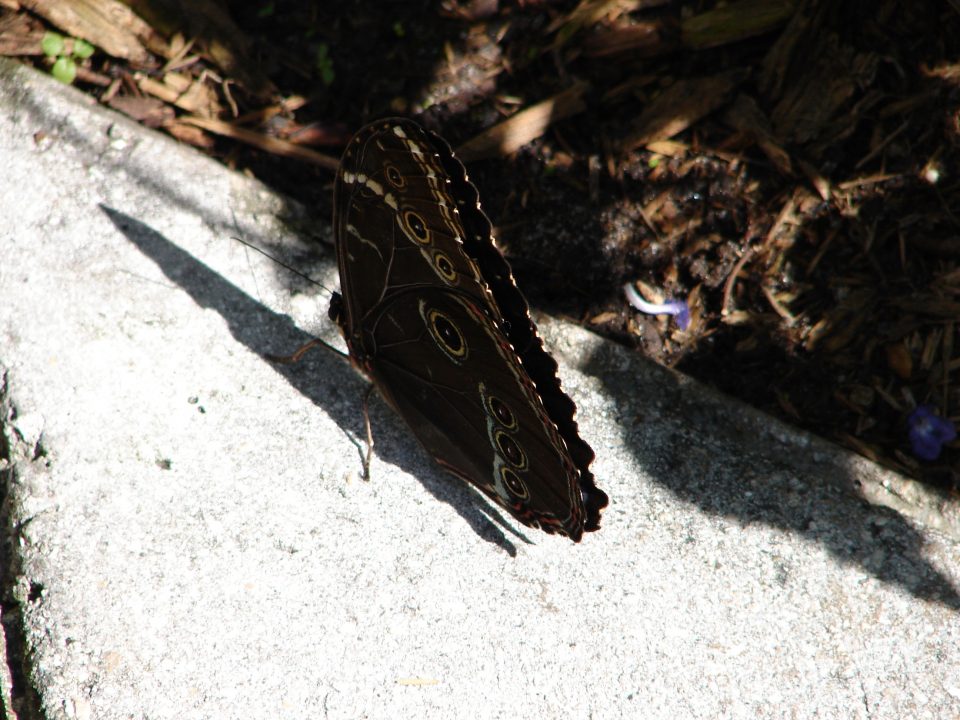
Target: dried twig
point(263, 142)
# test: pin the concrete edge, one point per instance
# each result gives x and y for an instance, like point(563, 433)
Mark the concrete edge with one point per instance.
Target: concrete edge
point(18, 696)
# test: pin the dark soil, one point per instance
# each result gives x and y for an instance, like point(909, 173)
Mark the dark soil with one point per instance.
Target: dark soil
point(788, 168)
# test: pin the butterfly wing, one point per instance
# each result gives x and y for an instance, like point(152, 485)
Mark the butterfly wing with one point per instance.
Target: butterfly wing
point(431, 313)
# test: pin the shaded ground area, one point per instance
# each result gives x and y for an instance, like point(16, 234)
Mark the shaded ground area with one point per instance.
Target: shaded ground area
point(786, 167)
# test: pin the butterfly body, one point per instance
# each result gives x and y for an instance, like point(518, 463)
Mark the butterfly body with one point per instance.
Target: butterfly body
point(430, 312)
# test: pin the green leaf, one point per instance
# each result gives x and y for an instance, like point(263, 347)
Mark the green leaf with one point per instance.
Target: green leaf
point(64, 70)
point(325, 64)
point(266, 10)
point(399, 30)
point(82, 49)
point(52, 44)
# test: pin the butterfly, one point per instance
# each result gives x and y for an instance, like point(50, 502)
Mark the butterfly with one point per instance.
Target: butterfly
point(431, 314)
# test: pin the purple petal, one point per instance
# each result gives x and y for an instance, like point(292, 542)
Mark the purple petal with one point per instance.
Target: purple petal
point(928, 432)
point(677, 308)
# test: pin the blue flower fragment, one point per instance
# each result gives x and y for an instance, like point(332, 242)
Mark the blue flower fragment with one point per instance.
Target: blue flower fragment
point(677, 308)
point(929, 432)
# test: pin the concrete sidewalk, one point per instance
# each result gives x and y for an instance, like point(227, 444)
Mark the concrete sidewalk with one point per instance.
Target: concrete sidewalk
point(188, 536)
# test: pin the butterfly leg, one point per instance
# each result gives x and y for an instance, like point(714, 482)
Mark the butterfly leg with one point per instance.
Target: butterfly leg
point(297, 356)
point(366, 422)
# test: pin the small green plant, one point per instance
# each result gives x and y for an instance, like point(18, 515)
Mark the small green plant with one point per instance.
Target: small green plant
point(65, 64)
point(325, 64)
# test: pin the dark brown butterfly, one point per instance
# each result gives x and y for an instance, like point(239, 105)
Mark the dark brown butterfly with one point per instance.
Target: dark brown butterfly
point(431, 313)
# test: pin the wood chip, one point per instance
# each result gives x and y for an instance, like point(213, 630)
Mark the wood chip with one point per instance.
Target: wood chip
point(190, 134)
point(150, 111)
point(191, 95)
point(21, 35)
point(681, 105)
point(108, 24)
point(746, 116)
point(812, 76)
point(669, 148)
point(899, 360)
point(820, 183)
point(733, 22)
point(587, 14)
point(604, 317)
point(643, 39)
point(527, 125)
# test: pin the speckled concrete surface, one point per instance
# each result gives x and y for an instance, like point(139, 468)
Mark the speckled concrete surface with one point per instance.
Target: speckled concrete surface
point(189, 536)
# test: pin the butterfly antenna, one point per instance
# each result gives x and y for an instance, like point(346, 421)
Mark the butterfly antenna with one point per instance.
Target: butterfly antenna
point(280, 262)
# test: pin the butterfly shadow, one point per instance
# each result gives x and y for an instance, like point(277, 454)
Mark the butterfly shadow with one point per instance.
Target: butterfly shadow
point(323, 377)
point(727, 459)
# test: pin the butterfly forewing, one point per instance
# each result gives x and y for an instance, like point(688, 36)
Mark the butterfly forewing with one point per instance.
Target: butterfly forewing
point(391, 232)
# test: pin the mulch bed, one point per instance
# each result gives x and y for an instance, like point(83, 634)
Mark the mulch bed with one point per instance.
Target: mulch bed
point(786, 167)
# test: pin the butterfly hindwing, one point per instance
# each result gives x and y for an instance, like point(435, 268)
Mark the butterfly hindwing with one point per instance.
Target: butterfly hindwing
point(458, 379)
